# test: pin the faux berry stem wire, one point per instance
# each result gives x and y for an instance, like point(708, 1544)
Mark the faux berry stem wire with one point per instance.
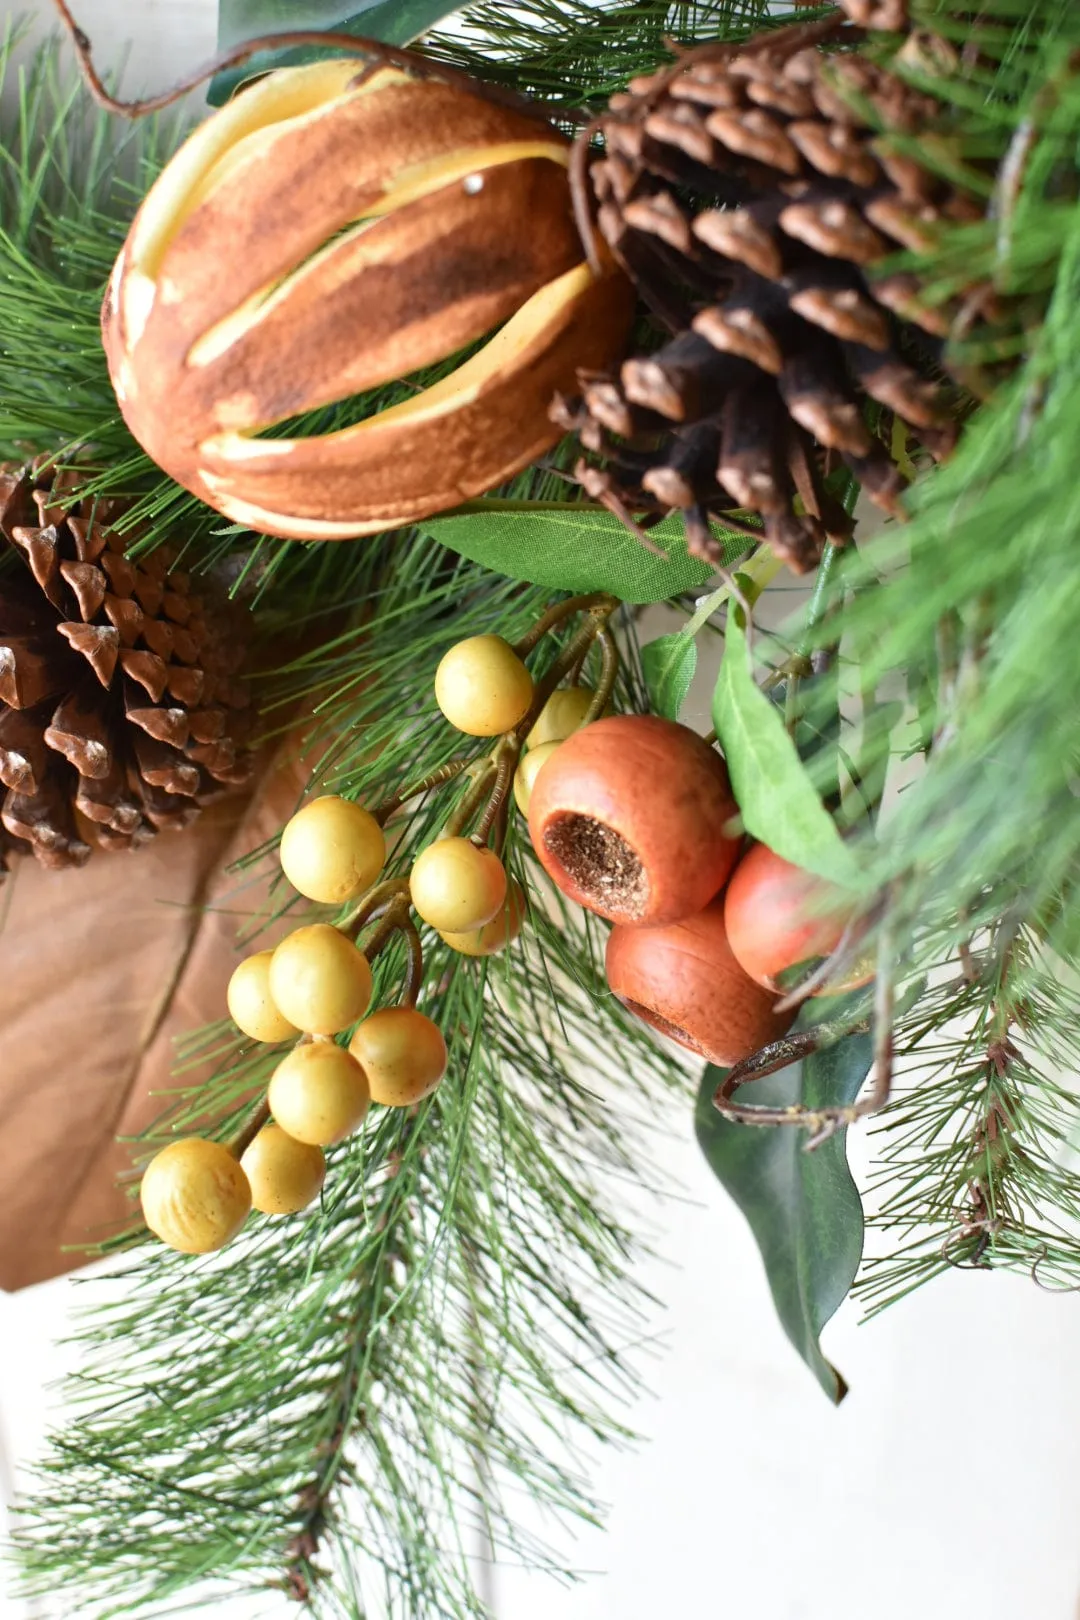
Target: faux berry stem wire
point(437, 778)
point(414, 979)
point(507, 761)
point(555, 615)
point(394, 920)
point(609, 674)
point(483, 771)
point(259, 1116)
point(370, 904)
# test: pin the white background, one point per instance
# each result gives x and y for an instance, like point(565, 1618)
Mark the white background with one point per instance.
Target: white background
point(947, 1485)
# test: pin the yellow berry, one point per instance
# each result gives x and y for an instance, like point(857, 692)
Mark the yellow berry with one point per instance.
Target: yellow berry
point(251, 1006)
point(319, 979)
point(332, 850)
point(195, 1197)
point(318, 1094)
point(482, 686)
point(284, 1174)
point(528, 771)
point(456, 885)
point(403, 1054)
point(503, 927)
point(562, 713)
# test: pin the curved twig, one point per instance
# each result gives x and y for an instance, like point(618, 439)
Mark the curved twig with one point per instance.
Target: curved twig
point(1048, 1288)
point(581, 196)
point(347, 44)
point(821, 1122)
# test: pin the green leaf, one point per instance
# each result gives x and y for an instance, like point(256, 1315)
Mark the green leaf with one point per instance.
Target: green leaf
point(576, 549)
point(778, 801)
point(669, 664)
point(803, 1208)
point(394, 22)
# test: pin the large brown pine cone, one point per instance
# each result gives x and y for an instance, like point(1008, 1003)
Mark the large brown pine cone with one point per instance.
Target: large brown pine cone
point(751, 191)
point(121, 711)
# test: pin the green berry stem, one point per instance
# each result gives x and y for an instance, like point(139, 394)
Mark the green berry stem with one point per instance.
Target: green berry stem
point(500, 825)
point(609, 674)
point(392, 921)
point(370, 904)
point(563, 610)
point(506, 756)
point(259, 1116)
point(434, 779)
point(415, 977)
point(482, 772)
point(596, 625)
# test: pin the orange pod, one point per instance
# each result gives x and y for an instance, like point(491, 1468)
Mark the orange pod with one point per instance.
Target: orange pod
point(330, 231)
point(778, 915)
point(684, 981)
point(629, 818)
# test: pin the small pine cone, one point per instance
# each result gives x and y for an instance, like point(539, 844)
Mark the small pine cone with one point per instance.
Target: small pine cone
point(121, 709)
point(750, 191)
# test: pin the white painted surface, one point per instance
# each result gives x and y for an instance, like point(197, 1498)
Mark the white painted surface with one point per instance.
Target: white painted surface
point(948, 1485)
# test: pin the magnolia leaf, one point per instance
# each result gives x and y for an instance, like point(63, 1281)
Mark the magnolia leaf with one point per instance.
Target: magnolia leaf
point(776, 797)
point(668, 664)
point(803, 1208)
point(89, 1033)
point(394, 22)
point(580, 549)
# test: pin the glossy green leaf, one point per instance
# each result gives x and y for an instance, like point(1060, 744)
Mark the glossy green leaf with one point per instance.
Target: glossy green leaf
point(778, 801)
point(577, 549)
point(669, 664)
point(803, 1208)
point(394, 22)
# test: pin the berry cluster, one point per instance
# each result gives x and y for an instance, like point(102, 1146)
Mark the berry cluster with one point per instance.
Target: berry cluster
point(634, 820)
point(316, 986)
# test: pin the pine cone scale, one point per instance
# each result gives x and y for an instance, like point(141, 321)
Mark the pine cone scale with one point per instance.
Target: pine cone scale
point(27, 677)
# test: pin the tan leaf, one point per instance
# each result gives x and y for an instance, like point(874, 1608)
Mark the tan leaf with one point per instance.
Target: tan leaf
point(101, 968)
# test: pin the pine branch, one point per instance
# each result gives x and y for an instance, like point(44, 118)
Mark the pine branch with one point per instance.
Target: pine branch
point(576, 53)
point(466, 1235)
point(975, 1165)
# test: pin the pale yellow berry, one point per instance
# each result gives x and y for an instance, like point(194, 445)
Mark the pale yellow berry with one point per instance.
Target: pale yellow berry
point(456, 885)
point(284, 1174)
point(195, 1197)
point(563, 713)
point(482, 686)
point(528, 771)
point(495, 935)
point(318, 1094)
point(332, 850)
point(251, 1006)
point(319, 979)
point(403, 1054)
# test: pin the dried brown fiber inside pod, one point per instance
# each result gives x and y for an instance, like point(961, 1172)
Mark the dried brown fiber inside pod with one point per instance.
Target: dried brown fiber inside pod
point(752, 191)
point(122, 710)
